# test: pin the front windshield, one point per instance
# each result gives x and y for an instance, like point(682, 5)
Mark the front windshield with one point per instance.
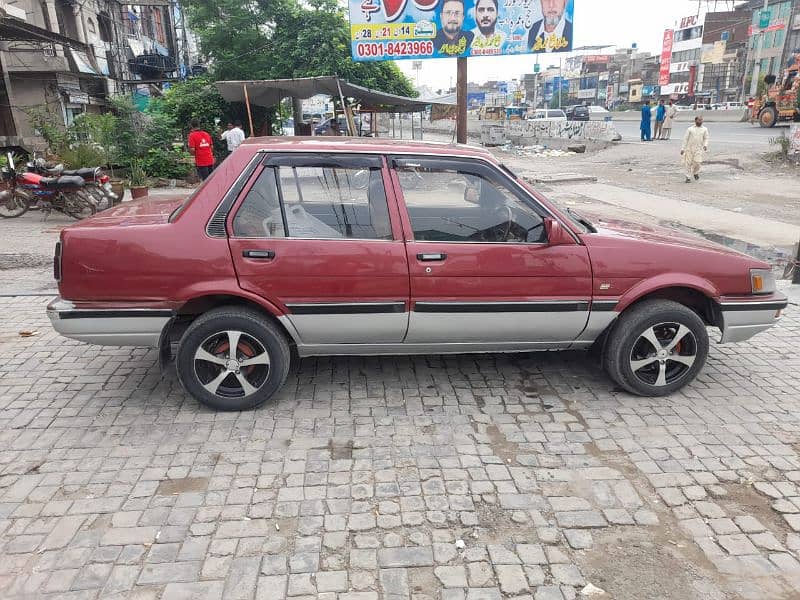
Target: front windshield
point(581, 223)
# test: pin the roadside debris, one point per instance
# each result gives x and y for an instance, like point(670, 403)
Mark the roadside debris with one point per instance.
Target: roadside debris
point(592, 590)
point(537, 151)
point(26, 333)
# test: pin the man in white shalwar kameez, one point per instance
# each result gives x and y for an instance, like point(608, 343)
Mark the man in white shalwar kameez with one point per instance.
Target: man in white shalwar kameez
point(695, 146)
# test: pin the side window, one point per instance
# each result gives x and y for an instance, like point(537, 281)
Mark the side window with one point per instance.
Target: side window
point(458, 206)
point(259, 216)
point(335, 202)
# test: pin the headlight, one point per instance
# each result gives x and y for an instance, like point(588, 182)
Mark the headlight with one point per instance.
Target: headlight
point(762, 281)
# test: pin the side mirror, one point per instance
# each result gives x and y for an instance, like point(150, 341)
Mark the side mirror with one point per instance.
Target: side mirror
point(556, 234)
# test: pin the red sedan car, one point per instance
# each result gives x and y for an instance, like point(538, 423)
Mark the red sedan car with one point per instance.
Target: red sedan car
point(365, 247)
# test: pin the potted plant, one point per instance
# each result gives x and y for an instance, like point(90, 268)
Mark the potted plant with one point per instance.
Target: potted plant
point(137, 180)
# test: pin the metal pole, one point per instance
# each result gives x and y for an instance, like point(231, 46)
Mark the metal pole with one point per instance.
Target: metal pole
point(351, 126)
point(796, 271)
point(184, 37)
point(757, 63)
point(461, 100)
point(249, 114)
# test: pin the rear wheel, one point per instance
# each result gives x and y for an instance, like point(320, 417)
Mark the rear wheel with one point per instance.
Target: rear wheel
point(79, 205)
point(233, 359)
point(15, 204)
point(656, 348)
point(768, 117)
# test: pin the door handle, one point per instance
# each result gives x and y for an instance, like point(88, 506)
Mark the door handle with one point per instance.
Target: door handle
point(259, 254)
point(433, 257)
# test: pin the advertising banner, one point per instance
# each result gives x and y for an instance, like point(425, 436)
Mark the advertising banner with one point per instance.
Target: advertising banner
point(416, 29)
point(666, 56)
point(476, 99)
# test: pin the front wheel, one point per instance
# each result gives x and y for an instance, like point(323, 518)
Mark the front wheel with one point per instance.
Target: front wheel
point(656, 348)
point(233, 359)
point(14, 203)
point(768, 117)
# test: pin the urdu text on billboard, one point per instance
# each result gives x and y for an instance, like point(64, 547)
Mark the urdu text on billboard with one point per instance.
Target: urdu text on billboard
point(415, 29)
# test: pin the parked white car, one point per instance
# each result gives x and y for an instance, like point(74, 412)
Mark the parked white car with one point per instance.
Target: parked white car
point(598, 113)
point(548, 115)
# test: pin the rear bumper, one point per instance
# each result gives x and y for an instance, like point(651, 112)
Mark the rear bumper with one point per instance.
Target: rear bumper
point(744, 318)
point(109, 327)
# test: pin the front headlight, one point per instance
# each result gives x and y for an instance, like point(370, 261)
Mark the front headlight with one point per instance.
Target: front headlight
point(762, 281)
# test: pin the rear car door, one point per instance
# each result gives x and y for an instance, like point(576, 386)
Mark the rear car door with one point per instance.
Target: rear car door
point(482, 270)
point(316, 235)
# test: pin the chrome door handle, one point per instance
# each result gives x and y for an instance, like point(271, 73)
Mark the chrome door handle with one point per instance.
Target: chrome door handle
point(259, 254)
point(433, 257)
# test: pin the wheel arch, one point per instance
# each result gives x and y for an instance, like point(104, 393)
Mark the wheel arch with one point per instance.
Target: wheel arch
point(201, 304)
point(697, 296)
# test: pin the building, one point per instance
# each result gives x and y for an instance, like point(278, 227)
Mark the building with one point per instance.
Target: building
point(724, 53)
point(681, 54)
point(772, 38)
point(69, 56)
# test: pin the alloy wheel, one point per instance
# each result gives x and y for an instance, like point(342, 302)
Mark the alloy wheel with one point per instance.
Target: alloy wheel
point(231, 364)
point(663, 354)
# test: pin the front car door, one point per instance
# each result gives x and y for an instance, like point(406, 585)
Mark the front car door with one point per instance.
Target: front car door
point(315, 235)
point(482, 270)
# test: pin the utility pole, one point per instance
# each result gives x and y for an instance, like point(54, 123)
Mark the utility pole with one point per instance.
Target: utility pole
point(184, 37)
point(461, 101)
point(757, 64)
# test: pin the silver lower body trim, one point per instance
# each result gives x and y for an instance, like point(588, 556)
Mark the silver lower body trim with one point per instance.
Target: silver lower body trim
point(448, 348)
point(136, 327)
point(741, 325)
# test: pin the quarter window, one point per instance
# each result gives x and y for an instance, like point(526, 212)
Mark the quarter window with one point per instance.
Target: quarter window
point(317, 203)
point(459, 206)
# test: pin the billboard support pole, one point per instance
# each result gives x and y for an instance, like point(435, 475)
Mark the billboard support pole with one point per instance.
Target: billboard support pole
point(249, 112)
point(461, 101)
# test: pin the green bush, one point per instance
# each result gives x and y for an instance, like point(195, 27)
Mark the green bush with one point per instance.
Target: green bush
point(167, 164)
point(83, 155)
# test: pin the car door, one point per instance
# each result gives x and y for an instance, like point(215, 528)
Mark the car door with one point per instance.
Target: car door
point(316, 235)
point(482, 270)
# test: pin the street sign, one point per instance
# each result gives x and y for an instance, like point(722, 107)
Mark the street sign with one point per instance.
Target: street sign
point(764, 18)
point(537, 67)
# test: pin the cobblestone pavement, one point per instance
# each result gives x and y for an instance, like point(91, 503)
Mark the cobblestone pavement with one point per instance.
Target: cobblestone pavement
point(447, 478)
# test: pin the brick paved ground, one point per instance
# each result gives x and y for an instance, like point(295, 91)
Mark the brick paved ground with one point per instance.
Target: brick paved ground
point(448, 478)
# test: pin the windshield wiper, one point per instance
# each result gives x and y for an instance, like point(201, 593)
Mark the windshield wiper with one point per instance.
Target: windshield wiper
point(583, 221)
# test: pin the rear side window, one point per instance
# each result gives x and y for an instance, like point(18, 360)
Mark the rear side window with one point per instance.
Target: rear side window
point(315, 203)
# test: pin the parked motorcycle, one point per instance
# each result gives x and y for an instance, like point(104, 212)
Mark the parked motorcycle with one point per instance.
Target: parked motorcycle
point(98, 185)
point(14, 200)
point(63, 194)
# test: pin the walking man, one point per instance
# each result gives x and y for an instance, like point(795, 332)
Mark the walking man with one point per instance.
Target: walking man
point(661, 113)
point(233, 136)
point(645, 126)
point(695, 146)
point(201, 147)
point(672, 112)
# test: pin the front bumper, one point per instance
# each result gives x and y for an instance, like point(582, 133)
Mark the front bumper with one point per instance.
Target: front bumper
point(109, 327)
point(742, 318)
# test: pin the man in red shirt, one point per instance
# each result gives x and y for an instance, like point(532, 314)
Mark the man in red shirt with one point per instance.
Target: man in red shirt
point(201, 147)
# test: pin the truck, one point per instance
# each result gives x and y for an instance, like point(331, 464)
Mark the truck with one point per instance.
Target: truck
point(779, 103)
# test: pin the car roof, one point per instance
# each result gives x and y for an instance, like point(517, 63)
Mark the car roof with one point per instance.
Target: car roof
point(362, 144)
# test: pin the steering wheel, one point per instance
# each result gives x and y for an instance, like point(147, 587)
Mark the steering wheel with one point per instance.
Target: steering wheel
point(509, 223)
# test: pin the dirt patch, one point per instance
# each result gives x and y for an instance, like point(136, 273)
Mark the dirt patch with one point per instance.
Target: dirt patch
point(501, 447)
point(743, 499)
point(642, 564)
point(340, 449)
point(169, 487)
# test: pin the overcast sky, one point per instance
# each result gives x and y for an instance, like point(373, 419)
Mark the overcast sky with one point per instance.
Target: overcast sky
point(617, 22)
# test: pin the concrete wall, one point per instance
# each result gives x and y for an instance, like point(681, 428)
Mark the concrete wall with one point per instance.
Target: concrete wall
point(533, 131)
point(687, 116)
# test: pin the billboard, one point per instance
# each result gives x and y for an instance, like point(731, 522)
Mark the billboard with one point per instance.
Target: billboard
point(666, 56)
point(416, 29)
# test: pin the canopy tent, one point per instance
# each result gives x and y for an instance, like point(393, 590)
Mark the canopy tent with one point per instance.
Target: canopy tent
point(269, 92)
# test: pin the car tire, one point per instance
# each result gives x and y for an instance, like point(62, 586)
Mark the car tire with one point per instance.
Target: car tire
point(634, 362)
point(204, 357)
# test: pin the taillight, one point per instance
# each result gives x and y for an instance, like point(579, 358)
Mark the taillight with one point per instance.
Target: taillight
point(104, 179)
point(57, 262)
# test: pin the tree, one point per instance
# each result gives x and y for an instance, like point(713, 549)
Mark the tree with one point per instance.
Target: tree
point(269, 39)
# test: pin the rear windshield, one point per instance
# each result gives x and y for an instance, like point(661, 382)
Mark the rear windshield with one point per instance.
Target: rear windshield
point(555, 113)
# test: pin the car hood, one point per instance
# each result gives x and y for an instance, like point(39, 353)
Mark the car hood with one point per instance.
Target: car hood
point(614, 229)
point(145, 211)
